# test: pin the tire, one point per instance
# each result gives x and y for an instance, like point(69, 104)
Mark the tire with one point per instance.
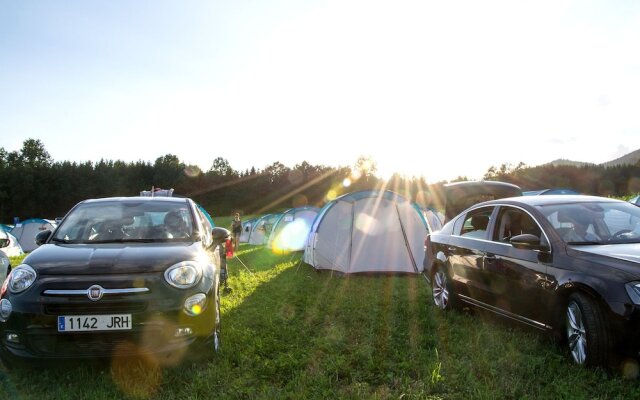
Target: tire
point(587, 332)
point(442, 291)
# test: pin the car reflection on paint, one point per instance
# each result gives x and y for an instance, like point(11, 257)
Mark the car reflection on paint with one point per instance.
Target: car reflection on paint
point(118, 277)
point(568, 264)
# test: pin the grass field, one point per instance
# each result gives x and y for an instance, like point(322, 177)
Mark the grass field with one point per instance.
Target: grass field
point(290, 332)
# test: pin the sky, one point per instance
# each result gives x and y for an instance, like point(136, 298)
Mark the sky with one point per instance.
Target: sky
point(438, 89)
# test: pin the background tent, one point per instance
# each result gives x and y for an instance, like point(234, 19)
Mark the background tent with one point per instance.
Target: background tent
point(368, 231)
point(27, 230)
point(262, 228)
point(246, 229)
point(291, 229)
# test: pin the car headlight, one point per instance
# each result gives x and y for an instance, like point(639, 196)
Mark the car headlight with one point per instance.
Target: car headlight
point(183, 275)
point(22, 277)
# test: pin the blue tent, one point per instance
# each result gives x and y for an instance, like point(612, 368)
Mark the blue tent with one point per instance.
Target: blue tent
point(290, 231)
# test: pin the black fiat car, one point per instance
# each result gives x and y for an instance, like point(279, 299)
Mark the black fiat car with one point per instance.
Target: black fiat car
point(568, 264)
point(119, 276)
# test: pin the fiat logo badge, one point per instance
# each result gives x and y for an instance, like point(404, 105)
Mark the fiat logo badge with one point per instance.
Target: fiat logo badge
point(95, 292)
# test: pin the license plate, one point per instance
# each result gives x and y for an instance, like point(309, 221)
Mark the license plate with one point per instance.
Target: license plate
point(80, 323)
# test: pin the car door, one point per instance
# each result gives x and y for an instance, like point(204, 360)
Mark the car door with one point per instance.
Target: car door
point(465, 254)
point(519, 285)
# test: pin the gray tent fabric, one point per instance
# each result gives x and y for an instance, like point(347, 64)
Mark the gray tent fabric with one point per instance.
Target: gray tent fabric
point(246, 230)
point(261, 229)
point(27, 230)
point(371, 231)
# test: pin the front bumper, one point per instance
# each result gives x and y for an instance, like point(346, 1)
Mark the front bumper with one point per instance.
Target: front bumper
point(160, 328)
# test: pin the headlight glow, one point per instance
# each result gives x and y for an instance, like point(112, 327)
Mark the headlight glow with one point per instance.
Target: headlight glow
point(183, 275)
point(21, 278)
point(195, 304)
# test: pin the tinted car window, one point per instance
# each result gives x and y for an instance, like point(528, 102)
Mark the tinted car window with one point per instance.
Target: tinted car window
point(475, 223)
point(117, 221)
point(594, 222)
point(513, 221)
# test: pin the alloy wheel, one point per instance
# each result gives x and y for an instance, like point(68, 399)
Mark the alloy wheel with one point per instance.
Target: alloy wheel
point(576, 333)
point(440, 290)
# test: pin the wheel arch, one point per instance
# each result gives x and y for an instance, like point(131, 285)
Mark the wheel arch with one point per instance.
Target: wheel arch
point(562, 299)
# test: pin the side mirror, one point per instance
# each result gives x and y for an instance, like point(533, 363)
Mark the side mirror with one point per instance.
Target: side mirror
point(219, 235)
point(528, 241)
point(42, 237)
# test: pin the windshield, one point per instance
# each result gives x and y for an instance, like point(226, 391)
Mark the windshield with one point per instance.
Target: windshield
point(127, 221)
point(595, 222)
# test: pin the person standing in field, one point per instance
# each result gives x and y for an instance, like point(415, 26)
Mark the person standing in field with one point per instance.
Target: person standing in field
point(236, 229)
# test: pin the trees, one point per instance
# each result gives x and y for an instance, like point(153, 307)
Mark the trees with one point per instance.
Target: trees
point(34, 185)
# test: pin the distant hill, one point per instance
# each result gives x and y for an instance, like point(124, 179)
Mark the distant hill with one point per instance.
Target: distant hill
point(628, 159)
point(562, 161)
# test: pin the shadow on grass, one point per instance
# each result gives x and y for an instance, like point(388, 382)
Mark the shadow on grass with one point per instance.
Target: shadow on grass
point(291, 332)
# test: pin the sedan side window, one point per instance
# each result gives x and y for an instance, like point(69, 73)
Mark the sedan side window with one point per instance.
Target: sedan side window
point(475, 223)
point(512, 222)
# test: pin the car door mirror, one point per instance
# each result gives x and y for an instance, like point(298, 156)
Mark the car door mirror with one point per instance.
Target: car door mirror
point(42, 237)
point(219, 235)
point(528, 241)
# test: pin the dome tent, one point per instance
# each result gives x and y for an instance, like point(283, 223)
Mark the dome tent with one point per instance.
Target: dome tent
point(27, 230)
point(290, 231)
point(262, 228)
point(368, 231)
point(246, 230)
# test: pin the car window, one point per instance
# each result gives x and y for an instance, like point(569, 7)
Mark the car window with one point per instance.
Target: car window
point(207, 227)
point(117, 221)
point(595, 222)
point(513, 221)
point(474, 223)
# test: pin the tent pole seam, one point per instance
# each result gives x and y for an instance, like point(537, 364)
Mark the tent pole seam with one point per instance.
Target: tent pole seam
point(406, 242)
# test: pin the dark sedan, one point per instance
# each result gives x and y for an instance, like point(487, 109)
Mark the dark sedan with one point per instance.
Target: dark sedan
point(119, 276)
point(568, 264)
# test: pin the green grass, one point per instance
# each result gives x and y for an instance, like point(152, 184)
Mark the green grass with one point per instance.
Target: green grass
point(292, 333)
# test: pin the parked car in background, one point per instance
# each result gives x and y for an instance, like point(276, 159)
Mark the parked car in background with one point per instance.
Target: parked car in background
point(460, 195)
point(5, 264)
point(568, 264)
point(13, 248)
point(118, 276)
point(549, 192)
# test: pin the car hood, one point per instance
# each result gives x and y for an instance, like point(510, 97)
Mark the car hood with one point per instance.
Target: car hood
point(55, 259)
point(628, 253)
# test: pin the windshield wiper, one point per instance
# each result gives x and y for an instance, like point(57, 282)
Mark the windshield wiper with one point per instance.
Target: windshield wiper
point(131, 240)
point(583, 243)
point(58, 240)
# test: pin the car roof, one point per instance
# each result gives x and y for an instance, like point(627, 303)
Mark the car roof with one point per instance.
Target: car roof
point(551, 199)
point(138, 199)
